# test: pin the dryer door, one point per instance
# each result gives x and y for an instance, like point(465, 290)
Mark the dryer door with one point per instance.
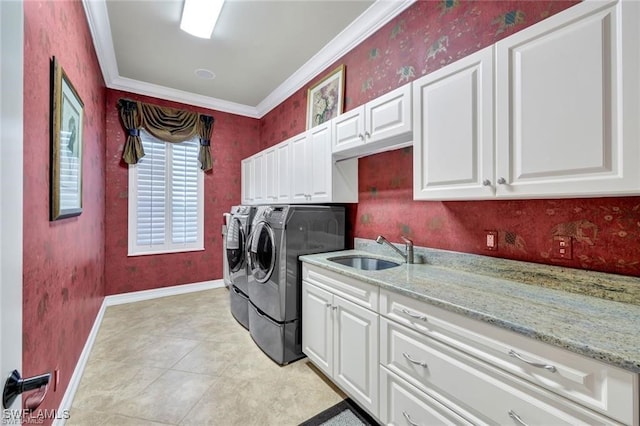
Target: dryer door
point(235, 245)
point(262, 252)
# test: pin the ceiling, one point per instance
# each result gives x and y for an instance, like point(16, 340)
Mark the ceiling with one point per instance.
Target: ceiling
point(261, 51)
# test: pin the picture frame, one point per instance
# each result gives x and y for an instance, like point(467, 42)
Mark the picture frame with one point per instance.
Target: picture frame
point(325, 99)
point(67, 119)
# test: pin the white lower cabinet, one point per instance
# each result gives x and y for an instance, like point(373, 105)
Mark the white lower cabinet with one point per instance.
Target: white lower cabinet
point(341, 338)
point(477, 391)
point(437, 367)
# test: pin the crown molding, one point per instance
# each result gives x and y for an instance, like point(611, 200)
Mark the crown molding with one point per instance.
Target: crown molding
point(380, 13)
point(189, 98)
point(374, 18)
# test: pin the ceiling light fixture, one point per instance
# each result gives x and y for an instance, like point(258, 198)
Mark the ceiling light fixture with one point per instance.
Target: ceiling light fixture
point(200, 16)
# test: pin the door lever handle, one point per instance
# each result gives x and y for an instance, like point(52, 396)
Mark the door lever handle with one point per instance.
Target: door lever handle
point(15, 385)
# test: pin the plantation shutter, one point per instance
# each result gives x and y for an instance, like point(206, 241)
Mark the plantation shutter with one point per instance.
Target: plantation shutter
point(151, 203)
point(184, 192)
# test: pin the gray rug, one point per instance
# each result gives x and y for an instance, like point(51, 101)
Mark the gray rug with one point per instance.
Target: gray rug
point(344, 413)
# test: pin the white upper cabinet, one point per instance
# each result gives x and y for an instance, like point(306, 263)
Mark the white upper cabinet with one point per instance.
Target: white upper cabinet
point(453, 130)
point(380, 125)
point(563, 97)
point(316, 178)
point(567, 104)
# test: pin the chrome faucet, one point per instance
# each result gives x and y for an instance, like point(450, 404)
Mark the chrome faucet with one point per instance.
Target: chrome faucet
point(408, 247)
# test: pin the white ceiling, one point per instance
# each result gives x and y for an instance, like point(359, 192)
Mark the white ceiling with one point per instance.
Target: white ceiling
point(261, 51)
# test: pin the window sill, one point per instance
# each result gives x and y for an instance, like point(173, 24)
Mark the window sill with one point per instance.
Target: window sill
point(167, 251)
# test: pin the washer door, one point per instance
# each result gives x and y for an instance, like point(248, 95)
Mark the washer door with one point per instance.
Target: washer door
point(235, 245)
point(262, 252)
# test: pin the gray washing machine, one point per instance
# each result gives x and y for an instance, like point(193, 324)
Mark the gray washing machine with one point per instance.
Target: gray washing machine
point(281, 234)
point(238, 232)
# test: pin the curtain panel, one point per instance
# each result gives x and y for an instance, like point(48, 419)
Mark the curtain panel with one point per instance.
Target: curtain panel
point(167, 124)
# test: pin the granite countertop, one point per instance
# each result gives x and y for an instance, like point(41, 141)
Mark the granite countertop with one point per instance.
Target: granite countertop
point(592, 326)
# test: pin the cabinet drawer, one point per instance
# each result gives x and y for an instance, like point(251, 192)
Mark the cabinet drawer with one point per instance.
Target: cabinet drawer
point(490, 394)
point(356, 291)
point(606, 389)
point(403, 404)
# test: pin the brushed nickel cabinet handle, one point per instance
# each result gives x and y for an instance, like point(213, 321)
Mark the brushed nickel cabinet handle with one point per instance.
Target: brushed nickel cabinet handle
point(516, 418)
point(502, 181)
point(413, 361)
point(412, 315)
point(409, 419)
point(547, 367)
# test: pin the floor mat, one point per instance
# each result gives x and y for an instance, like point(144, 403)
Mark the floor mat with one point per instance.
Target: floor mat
point(344, 413)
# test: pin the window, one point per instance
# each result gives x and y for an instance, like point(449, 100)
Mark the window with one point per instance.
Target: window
point(166, 198)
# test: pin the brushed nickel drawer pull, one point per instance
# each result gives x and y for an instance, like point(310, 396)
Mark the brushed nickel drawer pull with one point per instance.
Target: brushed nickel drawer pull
point(412, 315)
point(413, 361)
point(516, 418)
point(408, 417)
point(547, 367)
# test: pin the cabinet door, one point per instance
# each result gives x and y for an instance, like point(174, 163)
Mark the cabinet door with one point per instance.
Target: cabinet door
point(389, 118)
point(258, 178)
point(453, 131)
point(283, 175)
point(300, 169)
point(246, 181)
point(319, 161)
point(348, 130)
point(355, 353)
point(317, 327)
point(270, 175)
point(567, 104)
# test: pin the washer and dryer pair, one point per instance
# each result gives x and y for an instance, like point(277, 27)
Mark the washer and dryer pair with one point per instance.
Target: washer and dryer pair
point(279, 234)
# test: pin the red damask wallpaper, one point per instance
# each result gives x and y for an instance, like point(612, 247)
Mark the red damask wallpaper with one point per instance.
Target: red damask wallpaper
point(234, 138)
point(425, 37)
point(63, 261)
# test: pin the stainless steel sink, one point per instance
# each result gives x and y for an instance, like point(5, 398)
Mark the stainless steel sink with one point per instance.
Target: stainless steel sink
point(364, 262)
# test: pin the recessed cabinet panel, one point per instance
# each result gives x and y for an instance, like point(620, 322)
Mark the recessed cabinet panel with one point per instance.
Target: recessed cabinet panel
point(348, 130)
point(245, 170)
point(356, 351)
point(317, 331)
point(270, 176)
point(283, 179)
point(319, 141)
point(299, 167)
point(390, 114)
point(453, 130)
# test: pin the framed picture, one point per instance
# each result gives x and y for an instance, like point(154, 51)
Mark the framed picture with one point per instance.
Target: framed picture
point(67, 112)
point(325, 98)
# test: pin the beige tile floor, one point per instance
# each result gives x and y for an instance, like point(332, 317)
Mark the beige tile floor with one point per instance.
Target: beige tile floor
point(184, 360)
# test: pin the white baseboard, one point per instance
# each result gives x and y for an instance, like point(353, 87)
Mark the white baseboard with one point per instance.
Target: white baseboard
point(119, 299)
point(138, 296)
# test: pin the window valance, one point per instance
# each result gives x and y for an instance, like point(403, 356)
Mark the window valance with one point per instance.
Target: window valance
point(167, 124)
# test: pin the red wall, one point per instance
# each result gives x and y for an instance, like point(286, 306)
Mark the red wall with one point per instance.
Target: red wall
point(63, 275)
point(606, 231)
point(234, 138)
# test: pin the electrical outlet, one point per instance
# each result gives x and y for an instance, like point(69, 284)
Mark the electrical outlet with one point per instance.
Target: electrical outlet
point(562, 247)
point(491, 240)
